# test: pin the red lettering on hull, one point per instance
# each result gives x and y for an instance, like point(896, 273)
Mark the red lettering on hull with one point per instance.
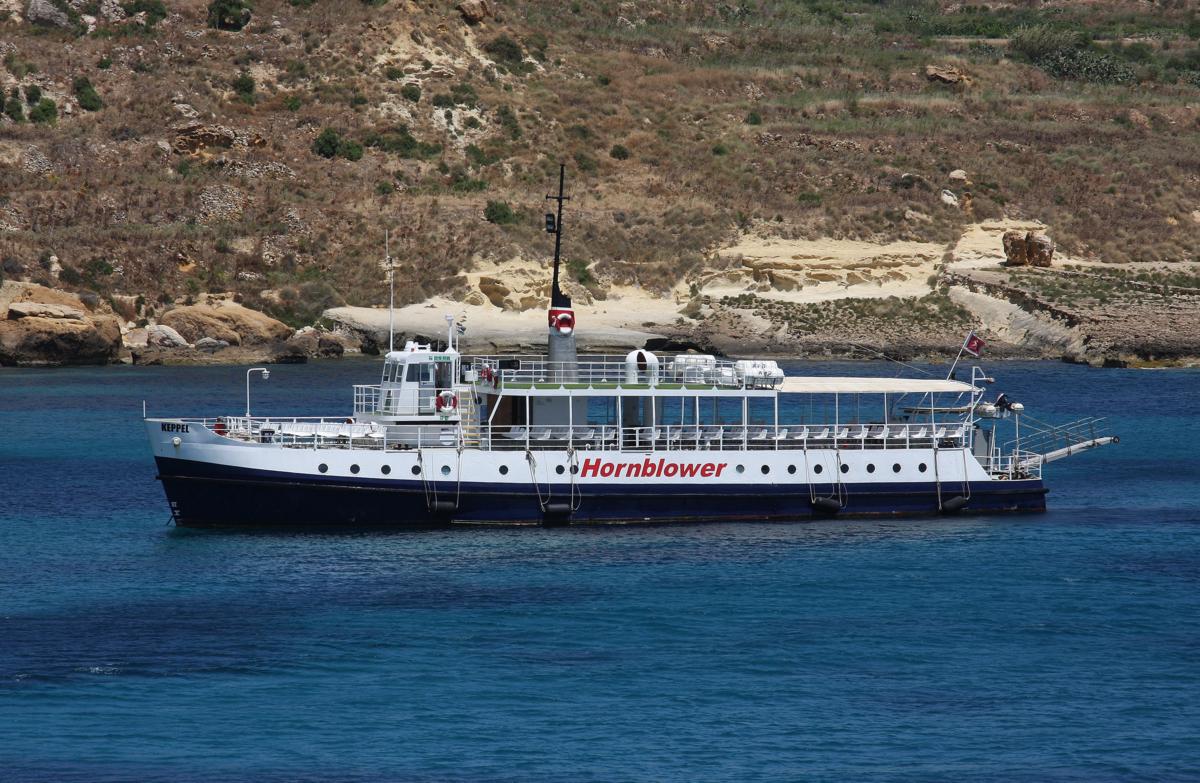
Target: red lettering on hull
point(649, 468)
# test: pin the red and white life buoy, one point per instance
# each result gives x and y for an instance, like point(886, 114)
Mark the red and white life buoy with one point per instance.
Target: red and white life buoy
point(219, 427)
point(446, 401)
point(563, 321)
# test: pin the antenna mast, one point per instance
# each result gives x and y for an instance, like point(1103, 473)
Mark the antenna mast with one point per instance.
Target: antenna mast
point(391, 270)
point(557, 297)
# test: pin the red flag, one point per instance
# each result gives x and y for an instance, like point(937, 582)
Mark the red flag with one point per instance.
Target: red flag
point(974, 344)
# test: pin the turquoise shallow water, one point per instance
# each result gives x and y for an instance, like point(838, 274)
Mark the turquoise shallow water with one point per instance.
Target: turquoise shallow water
point(1063, 646)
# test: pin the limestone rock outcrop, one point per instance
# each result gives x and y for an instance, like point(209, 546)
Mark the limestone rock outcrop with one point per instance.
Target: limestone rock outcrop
point(47, 13)
point(1028, 249)
point(475, 11)
point(162, 336)
point(225, 320)
point(946, 74)
point(44, 327)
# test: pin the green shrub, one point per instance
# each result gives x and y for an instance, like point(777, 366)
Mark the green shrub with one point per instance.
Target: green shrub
point(46, 112)
point(230, 15)
point(480, 158)
point(327, 143)
point(579, 270)
point(155, 10)
point(443, 100)
point(586, 163)
point(384, 188)
point(292, 103)
point(104, 63)
point(1040, 41)
point(461, 183)
point(85, 93)
point(70, 276)
point(13, 108)
point(33, 94)
point(508, 121)
point(500, 213)
point(603, 80)
point(508, 54)
point(1086, 65)
point(357, 99)
point(809, 199)
point(398, 140)
point(393, 73)
point(619, 152)
point(243, 85)
point(720, 149)
point(754, 118)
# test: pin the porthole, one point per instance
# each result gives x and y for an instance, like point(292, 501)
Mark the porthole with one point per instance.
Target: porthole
point(766, 469)
point(445, 470)
point(354, 469)
point(870, 467)
point(741, 468)
point(845, 468)
point(323, 468)
point(559, 469)
point(896, 468)
point(818, 468)
point(416, 470)
point(504, 470)
point(386, 469)
point(574, 469)
point(922, 467)
point(792, 469)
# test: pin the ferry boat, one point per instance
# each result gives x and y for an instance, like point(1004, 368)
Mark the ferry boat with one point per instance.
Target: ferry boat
point(563, 438)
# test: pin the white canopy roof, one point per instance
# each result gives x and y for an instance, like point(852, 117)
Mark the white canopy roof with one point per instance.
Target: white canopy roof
point(859, 385)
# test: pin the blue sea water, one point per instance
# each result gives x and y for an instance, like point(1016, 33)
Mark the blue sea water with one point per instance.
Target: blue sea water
point(1055, 647)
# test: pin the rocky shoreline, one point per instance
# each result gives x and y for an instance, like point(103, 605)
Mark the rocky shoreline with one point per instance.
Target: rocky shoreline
point(44, 327)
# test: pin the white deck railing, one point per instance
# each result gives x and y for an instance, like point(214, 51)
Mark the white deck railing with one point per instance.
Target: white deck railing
point(340, 433)
point(612, 370)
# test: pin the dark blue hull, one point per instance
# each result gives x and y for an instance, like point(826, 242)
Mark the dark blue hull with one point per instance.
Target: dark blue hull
point(204, 495)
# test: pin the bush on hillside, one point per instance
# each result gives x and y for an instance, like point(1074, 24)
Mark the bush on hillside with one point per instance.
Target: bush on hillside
point(500, 213)
point(46, 112)
point(13, 108)
point(243, 85)
point(619, 152)
point(154, 9)
point(1039, 41)
point(33, 94)
point(399, 141)
point(230, 15)
point(85, 93)
point(1086, 65)
point(330, 144)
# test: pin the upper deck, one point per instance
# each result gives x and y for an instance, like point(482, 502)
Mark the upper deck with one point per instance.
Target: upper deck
point(641, 372)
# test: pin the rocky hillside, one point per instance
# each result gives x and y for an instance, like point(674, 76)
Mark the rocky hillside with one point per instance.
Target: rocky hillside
point(789, 175)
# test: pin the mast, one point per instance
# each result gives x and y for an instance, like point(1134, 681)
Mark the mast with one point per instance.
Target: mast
point(562, 355)
point(557, 297)
point(391, 270)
